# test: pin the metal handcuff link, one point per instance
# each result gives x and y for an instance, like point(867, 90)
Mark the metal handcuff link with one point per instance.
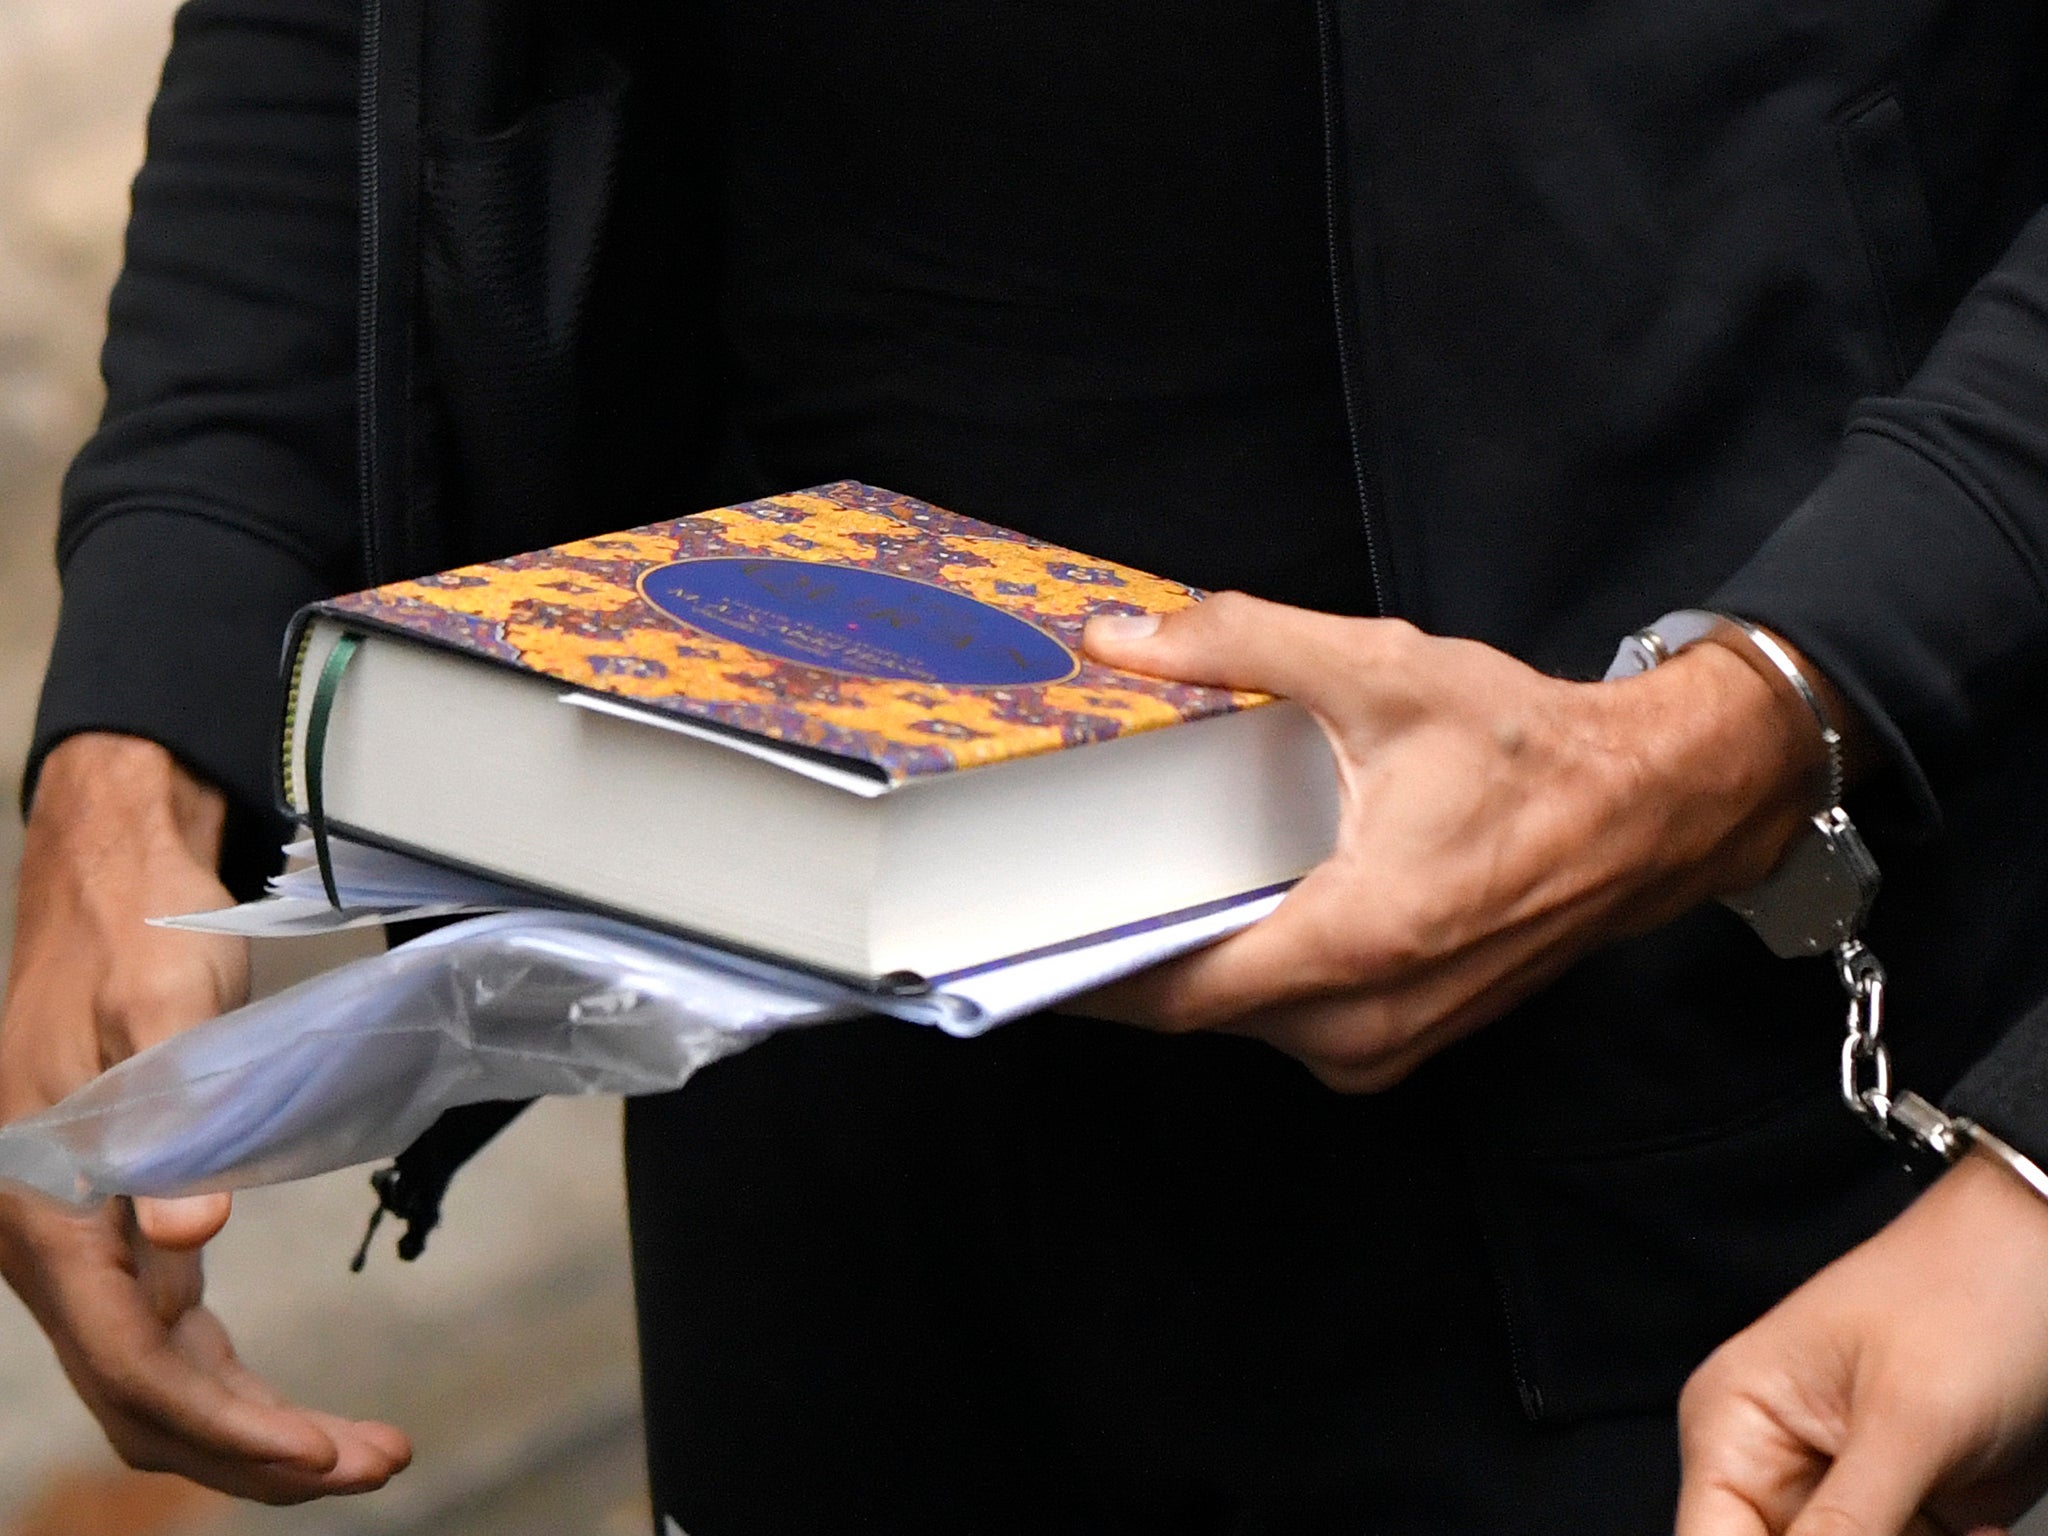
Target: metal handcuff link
point(1817, 900)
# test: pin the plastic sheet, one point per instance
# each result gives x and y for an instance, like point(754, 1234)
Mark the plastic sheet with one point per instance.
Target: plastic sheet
point(351, 1066)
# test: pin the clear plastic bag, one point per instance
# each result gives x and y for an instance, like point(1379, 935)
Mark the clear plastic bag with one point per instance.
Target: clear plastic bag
point(353, 1065)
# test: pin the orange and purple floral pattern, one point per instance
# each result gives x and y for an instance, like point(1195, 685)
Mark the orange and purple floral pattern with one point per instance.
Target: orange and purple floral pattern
point(601, 614)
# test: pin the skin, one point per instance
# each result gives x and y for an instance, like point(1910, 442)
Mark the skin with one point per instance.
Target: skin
point(120, 832)
point(1902, 1389)
point(1495, 824)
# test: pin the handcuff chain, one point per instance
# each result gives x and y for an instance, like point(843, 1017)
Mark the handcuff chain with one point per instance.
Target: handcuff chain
point(1927, 1135)
point(1866, 1059)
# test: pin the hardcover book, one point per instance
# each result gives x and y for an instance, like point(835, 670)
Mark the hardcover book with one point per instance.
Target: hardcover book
point(840, 726)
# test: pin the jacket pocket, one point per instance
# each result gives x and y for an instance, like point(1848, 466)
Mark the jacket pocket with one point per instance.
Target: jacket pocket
point(1894, 230)
point(512, 224)
point(1620, 1272)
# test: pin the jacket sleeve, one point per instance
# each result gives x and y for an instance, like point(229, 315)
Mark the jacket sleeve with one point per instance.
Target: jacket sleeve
point(2007, 1091)
point(218, 492)
point(1916, 574)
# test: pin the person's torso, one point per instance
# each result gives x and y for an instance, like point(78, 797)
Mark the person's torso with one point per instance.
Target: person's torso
point(1610, 281)
point(1062, 268)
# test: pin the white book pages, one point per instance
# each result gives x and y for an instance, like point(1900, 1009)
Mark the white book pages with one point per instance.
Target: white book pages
point(367, 876)
point(300, 917)
point(376, 886)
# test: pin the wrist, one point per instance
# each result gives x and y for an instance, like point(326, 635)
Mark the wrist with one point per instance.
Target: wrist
point(1980, 1199)
point(118, 832)
point(1844, 746)
point(1725, 762)
point(103, 786)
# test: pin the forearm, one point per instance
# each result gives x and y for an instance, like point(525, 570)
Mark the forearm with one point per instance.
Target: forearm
point(1916, 574)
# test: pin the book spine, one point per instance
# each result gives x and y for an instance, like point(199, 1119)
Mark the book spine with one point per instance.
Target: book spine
point(287, 777)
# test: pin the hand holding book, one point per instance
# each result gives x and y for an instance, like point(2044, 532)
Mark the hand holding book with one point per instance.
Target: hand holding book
point(1495, 825)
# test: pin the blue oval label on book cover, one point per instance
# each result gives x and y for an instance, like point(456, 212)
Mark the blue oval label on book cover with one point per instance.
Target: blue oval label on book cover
point(849, 619)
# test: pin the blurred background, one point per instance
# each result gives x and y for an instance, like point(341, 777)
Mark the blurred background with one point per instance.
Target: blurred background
point(507, 1350)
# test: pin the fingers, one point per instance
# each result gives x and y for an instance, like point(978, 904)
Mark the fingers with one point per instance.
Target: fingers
point(1714, 1509)
point(360, 1455)
point(1359, 1010)
point(188, 1406)
point(165, 1382)
point(1795, 1427)
point(1875, 1487)
point(161, 1376)
point(172, 1282)
point(367, 1456)
point(1234, 641)
point(1746, 1472)
point(182, 1225)
point(1247, 971)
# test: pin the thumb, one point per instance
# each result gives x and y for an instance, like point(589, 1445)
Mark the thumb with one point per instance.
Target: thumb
point(1743, 1470)
point(1226, 641)
point(1875, 1487)
point(182, 1224)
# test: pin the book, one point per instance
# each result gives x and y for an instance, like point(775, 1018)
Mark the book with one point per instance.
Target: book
point(841, 727)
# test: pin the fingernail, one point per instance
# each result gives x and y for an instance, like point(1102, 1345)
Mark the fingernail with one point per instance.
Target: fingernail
point(1125, 626)
point(188, 1221)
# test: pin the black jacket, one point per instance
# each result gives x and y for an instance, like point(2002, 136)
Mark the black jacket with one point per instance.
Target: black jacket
point(1610, 283)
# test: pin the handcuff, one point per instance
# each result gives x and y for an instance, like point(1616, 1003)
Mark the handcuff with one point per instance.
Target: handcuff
point(1817, 900)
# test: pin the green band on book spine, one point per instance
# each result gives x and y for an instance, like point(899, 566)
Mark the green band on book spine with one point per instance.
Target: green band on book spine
point(344, 651)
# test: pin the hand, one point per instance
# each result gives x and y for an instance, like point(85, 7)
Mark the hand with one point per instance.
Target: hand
point(1903, 1389)
point(119, 833)
point(1495, 825)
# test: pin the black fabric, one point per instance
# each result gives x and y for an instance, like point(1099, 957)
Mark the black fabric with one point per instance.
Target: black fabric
point(1074, 1278)
point(995, 263)
point(1615, 289)
point(2007, 1092)
point(1921, 522)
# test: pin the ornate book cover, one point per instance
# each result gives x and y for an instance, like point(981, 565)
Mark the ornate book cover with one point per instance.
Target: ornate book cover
point(844, 619)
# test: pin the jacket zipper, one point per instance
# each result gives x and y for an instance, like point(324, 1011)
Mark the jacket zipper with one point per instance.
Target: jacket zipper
point(369, 319)
point(1340, 301)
